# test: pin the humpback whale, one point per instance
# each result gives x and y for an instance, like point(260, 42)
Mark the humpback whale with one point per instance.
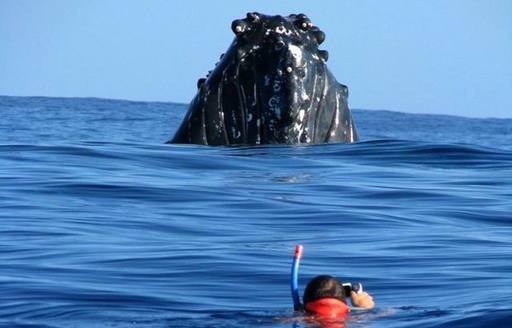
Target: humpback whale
point(272, 86)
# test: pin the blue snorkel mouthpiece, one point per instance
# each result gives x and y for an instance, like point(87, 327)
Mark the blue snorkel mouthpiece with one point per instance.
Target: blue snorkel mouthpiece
point(294, 283)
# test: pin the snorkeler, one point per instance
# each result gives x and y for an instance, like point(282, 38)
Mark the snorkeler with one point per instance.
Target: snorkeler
point(325, 296)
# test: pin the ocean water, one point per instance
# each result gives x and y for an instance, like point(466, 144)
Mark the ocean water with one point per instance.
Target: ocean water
point(104, 225)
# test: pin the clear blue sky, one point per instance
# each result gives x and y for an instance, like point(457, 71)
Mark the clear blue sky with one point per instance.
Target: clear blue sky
point(447, 57)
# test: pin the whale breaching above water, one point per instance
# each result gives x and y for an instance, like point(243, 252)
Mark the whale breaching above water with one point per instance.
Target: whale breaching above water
point(272, 86)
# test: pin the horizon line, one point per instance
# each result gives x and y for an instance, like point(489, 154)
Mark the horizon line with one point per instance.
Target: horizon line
point(186, 104)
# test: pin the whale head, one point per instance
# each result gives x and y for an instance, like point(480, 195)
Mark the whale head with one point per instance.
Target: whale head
point(271, 86)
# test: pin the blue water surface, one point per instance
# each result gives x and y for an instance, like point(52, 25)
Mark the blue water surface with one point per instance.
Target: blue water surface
point(104, 225)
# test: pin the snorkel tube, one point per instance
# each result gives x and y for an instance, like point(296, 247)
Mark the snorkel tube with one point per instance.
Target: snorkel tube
point(294, 283)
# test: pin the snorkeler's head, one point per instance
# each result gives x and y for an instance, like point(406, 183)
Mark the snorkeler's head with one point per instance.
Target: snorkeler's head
point(323, 286)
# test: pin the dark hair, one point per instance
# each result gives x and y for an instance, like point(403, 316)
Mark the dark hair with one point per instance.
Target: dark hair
point(323, 287)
